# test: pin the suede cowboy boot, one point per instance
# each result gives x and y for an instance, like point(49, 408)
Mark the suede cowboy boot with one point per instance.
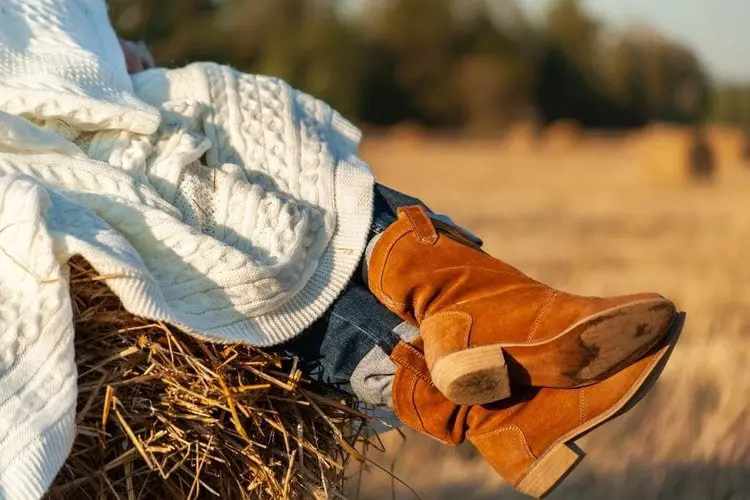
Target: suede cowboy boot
point(528, 438)
point(487, 326)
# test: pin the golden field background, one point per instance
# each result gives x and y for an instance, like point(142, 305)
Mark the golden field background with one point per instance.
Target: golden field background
point(602, 216)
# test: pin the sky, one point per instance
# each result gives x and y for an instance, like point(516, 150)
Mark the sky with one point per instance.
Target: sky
point(718, 30)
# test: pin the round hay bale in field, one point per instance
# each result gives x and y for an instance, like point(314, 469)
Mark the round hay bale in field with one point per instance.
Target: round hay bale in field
point(746, 148)
point(162, 414)
point(562, 135)
point(675, 155)
point(522, 137)
point(407, 133)
point(727, 144)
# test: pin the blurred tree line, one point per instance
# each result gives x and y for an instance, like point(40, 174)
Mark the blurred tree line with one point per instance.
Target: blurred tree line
point(474, 64)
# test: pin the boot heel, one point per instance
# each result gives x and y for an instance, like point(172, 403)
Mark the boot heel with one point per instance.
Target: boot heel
point(550, 469)
point(472, 376)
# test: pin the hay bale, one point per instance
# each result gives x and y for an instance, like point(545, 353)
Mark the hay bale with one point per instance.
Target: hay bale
point(663, 150)
point(522, 137)
point(562, 135)
point(727, 143)
point(746, 148)
point(162, 414)
point(668, 152)
point(407, 133)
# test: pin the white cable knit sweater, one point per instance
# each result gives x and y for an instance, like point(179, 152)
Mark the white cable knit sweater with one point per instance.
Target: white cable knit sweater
point(231, 205)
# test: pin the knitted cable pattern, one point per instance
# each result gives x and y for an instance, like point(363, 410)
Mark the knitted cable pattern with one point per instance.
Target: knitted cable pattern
point(230, 205)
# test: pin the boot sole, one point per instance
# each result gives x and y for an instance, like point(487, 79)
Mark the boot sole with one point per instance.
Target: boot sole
point(563, 455)
point(585, 353)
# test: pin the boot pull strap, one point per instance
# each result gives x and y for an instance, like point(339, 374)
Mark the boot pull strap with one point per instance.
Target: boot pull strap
point(420, 223)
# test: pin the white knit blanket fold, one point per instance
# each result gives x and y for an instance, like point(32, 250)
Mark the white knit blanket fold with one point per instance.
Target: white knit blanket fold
point(230, 205)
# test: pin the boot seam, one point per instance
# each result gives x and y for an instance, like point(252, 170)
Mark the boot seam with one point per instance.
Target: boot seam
point(413, 391)
point(460, 314)
point(412, 387)
point(415, 372)
point(540, 315)
point(412, 369)
point(509, 428)
point(395, 406)
point(413, 404)
point(423, 430)
point(380, 292)
point(442, 441)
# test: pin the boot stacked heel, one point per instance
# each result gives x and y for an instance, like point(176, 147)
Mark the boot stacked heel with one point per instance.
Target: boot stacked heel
point(473, 376)
point(550, 470)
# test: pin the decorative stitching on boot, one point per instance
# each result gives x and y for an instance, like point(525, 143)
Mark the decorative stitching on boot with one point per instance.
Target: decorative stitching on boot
point(405, 363)
point(396, 407)
point(542, 312)
point(515, 430)
point(440, 315)
point(399, 415)
point(435, 438)
point(414, 405)
point(377, 286)
point(416, 372)
point(467, 339)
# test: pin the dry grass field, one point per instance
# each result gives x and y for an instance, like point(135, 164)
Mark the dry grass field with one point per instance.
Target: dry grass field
point(589, 219)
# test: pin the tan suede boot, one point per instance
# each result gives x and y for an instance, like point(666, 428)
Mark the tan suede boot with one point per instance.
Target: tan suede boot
point(487, 326)
point(528, 438)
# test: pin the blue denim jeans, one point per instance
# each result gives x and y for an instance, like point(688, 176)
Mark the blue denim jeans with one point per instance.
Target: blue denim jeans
point(350, 345)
